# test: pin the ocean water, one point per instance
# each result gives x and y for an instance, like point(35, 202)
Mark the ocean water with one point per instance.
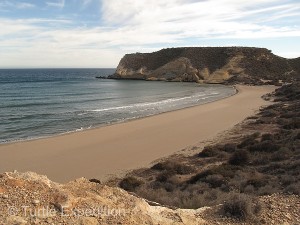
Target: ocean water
point(38, 103)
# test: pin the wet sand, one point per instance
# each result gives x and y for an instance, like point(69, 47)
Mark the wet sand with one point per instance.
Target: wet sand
point(111, 150)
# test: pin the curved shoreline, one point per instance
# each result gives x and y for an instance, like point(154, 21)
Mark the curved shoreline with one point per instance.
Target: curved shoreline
point(99, 152)
point(78, 130)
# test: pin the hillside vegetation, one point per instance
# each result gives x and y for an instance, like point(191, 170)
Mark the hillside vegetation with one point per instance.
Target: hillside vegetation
point(241, 167)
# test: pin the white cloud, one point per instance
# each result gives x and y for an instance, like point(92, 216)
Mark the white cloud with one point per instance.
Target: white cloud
point(59, 4)
point(140, 25)
point(86, 2)
point(29, 43)
point(5, 4)
point(178, 20)
point(186, 19)
point(25, 5)
point(288, 54)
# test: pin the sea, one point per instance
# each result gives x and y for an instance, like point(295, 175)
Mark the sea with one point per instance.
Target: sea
point(37, 103)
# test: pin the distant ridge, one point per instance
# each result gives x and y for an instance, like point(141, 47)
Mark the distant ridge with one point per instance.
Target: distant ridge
point(209, 65)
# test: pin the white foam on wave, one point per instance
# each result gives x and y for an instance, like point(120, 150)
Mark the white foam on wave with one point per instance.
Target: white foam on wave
point(163, 102)
point(82, 114)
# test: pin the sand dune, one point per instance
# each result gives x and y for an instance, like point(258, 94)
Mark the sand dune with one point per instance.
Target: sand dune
point(113, 149)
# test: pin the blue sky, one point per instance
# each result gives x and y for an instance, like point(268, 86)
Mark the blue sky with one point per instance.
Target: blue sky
point(97, 33)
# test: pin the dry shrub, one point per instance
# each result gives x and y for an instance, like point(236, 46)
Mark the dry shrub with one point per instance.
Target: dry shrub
point(293, 123)
point(190, 198)
point(241, 206)
point(249, 140)
point(93, 180)
point(229, 147)
point(225, 170)
point(164, 176)
point(215, 180)
point(249, 189)
point(298, 135)
point(267, 190)
point(268, 113)
point(174, 167)
point(264, 146)
point(209, 151)
point(266, 137)
point(257, 180)
point(282, 154)
point(260, 158)
point(287, 179)
point(130, 183)
point(293, 188)
point(239, 157)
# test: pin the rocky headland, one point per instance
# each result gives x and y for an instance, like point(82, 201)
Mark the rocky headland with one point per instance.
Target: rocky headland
point(209, 65)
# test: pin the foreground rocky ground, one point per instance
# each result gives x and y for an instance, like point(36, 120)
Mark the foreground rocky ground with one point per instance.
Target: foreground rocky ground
point(29, 198)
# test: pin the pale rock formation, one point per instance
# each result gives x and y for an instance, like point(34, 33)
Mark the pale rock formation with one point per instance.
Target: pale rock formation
point(79, 202)
point(82, 202)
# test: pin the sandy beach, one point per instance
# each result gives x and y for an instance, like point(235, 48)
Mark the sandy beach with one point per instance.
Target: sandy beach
point(98, 153)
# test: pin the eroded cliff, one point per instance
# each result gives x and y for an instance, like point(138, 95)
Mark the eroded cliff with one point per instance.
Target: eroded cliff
point(208, 65)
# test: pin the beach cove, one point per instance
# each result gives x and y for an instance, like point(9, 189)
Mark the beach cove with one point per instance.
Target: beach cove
point(111, 150)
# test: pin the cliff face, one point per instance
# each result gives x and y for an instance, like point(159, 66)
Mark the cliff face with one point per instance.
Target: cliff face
point(208, 65)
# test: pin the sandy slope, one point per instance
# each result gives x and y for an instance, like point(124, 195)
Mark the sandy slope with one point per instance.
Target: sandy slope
point(113, 149)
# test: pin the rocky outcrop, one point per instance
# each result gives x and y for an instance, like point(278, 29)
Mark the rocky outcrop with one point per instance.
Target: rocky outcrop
point(208, 65)
point(29, 198)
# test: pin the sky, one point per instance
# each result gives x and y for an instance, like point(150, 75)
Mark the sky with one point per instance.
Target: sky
point(97, 33)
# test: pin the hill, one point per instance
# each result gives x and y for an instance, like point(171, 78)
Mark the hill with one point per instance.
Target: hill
point(209, 65)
